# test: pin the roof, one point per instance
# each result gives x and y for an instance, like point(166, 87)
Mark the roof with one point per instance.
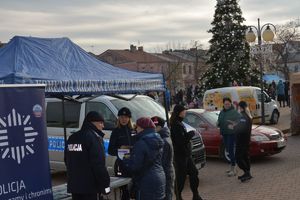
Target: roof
point(171, 58)
point(231, 88)
point(66, 68)
point(197, 110)
point(135, 55)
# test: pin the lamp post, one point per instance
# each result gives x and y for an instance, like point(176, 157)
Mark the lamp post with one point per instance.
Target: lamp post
point(267, 36)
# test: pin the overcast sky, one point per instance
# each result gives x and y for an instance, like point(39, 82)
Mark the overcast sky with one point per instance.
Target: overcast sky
point(97, 25)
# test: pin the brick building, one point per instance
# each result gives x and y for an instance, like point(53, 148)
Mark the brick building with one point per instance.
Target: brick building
point(177, 66)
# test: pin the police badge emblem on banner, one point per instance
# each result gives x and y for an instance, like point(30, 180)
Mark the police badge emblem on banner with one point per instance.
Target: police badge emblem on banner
point(24, 159)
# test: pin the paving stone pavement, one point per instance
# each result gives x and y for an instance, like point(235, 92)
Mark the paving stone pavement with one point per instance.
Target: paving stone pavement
point(275, 178)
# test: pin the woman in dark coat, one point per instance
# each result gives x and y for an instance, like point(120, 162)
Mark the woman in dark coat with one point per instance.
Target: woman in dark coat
point(243, 136)
point(122, 138)
point(167, 157)
point(184, 164)
point(145, 162)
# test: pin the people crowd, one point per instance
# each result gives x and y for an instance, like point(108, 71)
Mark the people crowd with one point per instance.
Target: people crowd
point(156, 158)
point(280, 92)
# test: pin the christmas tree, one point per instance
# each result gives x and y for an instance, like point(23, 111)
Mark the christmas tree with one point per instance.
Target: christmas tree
point(229, 53)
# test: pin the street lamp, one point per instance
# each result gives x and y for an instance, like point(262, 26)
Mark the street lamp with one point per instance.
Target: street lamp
point(267, 35)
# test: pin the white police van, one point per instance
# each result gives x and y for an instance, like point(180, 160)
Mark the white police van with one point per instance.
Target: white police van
point(108, 106)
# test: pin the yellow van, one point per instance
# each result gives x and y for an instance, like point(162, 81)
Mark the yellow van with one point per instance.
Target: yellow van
point(213, 100)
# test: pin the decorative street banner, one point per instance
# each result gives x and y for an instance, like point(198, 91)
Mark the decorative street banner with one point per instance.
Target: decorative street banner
point(24, 159)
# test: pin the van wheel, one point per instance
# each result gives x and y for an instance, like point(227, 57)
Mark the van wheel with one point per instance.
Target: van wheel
point(274, 117)
point(224, 154)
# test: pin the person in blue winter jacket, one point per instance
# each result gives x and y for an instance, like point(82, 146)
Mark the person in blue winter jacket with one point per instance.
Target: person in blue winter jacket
point(280, 93)
point(145, 162)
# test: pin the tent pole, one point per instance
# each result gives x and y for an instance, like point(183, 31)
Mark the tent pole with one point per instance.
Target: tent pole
point(64, 121)
point(166, 109)
point(165, 102)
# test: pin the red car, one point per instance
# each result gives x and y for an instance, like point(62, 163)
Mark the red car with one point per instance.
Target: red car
point(264, 140)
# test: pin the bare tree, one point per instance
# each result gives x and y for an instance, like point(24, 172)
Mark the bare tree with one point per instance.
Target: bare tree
point(287, 35)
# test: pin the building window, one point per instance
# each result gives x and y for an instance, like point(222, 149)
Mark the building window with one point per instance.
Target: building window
point(190, 69)
point(184, 69)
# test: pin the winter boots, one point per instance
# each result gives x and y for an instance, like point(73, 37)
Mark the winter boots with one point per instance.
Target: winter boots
point(197, 197)
point(245, 177)
point(232, 171)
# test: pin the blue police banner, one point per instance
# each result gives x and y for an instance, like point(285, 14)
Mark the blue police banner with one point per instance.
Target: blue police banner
point(24, 158)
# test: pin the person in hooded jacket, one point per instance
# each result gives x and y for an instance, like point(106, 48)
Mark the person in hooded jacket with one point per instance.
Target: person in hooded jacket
point(87, 175)
point(227, 117)
point(184, 164)
point(280, 93)
point(145, 162)
point(243, 138)
point(167, 157)
point(122, 138)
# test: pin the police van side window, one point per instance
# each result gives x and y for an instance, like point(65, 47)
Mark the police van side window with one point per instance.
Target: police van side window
point(109, 118)
point(54, 114)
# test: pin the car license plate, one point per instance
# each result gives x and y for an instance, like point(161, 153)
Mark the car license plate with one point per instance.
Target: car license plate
point(281, 144)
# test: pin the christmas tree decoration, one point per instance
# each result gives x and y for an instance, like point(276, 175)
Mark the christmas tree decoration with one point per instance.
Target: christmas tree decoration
point(229, 52)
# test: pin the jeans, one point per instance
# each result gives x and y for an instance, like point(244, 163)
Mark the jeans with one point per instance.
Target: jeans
point(229, 142)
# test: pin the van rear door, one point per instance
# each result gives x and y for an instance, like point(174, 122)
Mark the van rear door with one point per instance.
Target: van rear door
point(55, 128)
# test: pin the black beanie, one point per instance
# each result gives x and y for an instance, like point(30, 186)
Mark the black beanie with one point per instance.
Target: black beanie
point(243, 104)
point(178, 109)
point(124, 111)
point(94, 116)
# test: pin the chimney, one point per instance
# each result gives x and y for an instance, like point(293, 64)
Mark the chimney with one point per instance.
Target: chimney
point(140, 48)
point(132, 48)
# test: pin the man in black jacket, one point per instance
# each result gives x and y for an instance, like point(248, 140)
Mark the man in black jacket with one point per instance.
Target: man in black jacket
point(85, 160)
point(243, 137)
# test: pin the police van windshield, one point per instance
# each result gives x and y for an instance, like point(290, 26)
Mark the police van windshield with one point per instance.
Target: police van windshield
point(141, 107)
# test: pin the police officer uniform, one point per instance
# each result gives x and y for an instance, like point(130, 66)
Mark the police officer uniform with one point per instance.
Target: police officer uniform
point(85, 161)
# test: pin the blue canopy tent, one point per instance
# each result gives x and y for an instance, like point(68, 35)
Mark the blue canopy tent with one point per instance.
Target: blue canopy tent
point(65, 68)
point(271, 77)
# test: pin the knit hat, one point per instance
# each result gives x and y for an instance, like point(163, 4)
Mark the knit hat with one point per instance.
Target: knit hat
point(243, 104)
point(158, 121)
point(124, 111)
point(94, 116)
point(178, 109)
point(145, 122)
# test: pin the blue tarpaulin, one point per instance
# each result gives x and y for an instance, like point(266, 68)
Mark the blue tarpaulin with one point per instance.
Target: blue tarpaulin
point(270, 77)
point(67, 69)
